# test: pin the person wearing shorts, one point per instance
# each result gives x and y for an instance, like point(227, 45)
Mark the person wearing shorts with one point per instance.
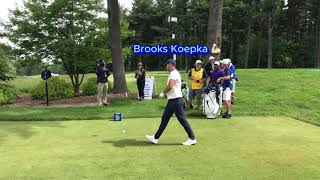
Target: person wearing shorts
point(234, 79)
point(198, 76)
point(227, 88)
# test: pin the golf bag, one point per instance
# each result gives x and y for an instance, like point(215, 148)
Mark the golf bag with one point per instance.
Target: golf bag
point(185, 93)
point(212, 101)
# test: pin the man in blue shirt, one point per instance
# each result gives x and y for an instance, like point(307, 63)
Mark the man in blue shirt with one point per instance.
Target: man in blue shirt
point(227, 88)
point(234, 78)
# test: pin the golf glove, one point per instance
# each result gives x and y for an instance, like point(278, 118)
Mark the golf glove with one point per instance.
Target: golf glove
point(161, 94)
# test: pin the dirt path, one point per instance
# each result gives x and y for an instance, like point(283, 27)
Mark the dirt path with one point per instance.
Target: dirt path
point(80, 101)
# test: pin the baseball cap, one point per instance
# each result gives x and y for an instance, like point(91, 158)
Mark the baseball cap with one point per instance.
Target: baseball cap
point(211, 58)
point(225, 61)
point(229, 60)
point(217, 63)
point(170, 61)
point(198, 62)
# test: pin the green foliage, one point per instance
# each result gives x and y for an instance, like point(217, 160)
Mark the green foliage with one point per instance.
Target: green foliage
point(90, 86)
point(7, 71)
point(7, 94)
point(58, 88)
point(67, 32)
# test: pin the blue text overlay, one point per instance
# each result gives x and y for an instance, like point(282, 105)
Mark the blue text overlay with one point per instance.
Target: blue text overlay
point(171, 49)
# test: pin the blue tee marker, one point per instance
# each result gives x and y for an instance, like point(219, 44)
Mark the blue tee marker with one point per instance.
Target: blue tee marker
point(117, 117)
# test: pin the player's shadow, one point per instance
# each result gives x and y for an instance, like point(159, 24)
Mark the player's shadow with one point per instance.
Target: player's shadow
point(133, 142)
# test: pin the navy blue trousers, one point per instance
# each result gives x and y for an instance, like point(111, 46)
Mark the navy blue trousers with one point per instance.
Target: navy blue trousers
point(174, 106)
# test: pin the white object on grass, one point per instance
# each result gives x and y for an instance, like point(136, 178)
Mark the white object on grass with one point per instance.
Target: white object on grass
point(149, 88)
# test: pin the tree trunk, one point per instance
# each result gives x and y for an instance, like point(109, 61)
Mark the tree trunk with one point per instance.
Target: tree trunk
point(231, 46)
point(259, 56)
point(215, 24)
point(120, 84)
point(269, 40)
point(317, 63)
point(248, 47)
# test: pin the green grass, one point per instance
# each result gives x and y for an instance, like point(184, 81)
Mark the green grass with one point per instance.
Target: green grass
point(24, 84)
point(241, 148)
point(264, 139)
point(277, 92)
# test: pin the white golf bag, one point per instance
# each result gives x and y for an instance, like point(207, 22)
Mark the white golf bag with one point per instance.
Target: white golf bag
point(212, 102)
point(185, 93)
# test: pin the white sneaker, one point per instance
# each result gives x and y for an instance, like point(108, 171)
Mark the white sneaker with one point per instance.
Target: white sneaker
point(190, 142)
point(152, 139)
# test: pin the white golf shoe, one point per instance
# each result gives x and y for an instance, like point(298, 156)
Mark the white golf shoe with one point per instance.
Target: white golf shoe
point(190, 142)
point(152, 139)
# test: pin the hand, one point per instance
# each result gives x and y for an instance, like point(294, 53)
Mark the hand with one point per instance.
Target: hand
point(161, 94)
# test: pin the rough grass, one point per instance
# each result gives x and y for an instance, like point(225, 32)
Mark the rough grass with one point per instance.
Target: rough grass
point(293, 93)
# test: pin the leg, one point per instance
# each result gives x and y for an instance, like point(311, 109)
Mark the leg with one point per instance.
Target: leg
point(227, 100)
point(227, 105)
point(105, 93)
point(191, 96)
point(182, 119)
point(233, 90)
point(165, 119)
point(198, 96)
point(99, 93)
point(139, 89)
point(142, 89)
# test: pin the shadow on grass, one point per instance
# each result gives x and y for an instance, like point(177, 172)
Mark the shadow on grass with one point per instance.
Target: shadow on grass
point(133, 142)
point(23, 129)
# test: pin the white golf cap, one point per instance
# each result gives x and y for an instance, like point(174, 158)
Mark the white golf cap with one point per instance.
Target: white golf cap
point(217, 63)
point(225, 61)
point(198, 62)
point(229, 60)
point(211, 58)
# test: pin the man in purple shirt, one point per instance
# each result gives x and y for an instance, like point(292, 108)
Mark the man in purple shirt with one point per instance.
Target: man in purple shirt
point(216, 73)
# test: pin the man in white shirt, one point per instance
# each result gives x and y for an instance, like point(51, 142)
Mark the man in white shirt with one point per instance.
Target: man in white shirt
point(175, 105)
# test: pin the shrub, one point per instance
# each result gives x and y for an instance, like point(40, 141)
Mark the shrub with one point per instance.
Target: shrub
point(58, 89)
point(7, 95)
point(90, 86)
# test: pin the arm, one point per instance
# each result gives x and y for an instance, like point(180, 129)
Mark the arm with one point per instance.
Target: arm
point(226, 77)
point(136, 74)
point(169, 86)
point(204, 76)
point(108, 72)
point(143, 74)
point(190, 76)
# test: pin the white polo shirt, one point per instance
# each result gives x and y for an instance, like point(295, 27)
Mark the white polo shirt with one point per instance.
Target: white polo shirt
point(175, 92)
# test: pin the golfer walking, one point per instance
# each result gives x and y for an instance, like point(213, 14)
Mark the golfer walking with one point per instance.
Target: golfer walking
point(175, 105)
